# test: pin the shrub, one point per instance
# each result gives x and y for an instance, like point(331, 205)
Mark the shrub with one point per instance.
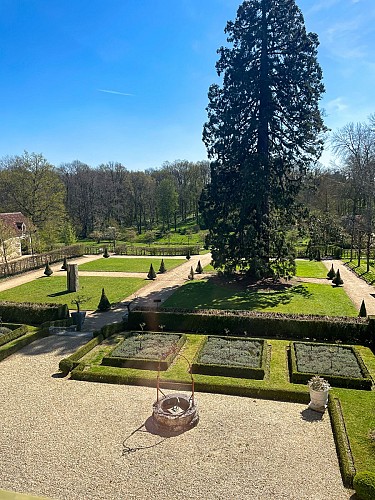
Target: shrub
point(13, 346)
point(270, 325)
point(191, 274)
point(106, 254)
point(104, 303)
point(162, 268)
point(199, 268)
point(48, 271)
point(337, 279)
point(151, 274)
point(4, 330)
point(32, 314)
point(318, 256)
point(10, 335)
point(64, 266)
point(362, 311)
point(331, 273)
point(188, 256)
point(364, 485)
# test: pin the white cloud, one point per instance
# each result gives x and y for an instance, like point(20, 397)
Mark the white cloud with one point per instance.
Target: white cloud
point(113, 92)
point(337, 105)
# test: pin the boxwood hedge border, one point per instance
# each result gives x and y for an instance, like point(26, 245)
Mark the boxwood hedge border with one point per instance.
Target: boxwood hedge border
point(298, 377)
point(235, 371)
point(349, 330)
point(32, 313)
point(13, 335)
point(14, 345)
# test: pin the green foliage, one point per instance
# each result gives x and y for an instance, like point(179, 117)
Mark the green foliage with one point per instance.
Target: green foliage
point(48, 271)
point(64, 266)
point(104, 303)
point(362, 311)
point(130, 265)
point(162, 268)
point(151, 274)
point(68, 234)
point(106, 254)
point(348, 330)
point(16, 344)
point(337, 279)
point(364, 485)
point(188, 256)
point(32, 314)
point(199, 268)
point(331, 273)
point(7, 335)
point(191, 273)
point(249, 205)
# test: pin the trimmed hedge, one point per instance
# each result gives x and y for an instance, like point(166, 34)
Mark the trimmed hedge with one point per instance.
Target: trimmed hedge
point(364, 383)
point(32, 314)
point(15, 334)
point(341, 441)
point(364, 485)
point(16, 344)
point(159, 251)
point(68, 364)
point(143, 363)
point(39, 260)
point(235, 371)
point(256, 324)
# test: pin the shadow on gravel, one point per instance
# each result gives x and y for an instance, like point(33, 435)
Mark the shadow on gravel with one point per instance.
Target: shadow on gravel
point(59, 345)
point(311, 415)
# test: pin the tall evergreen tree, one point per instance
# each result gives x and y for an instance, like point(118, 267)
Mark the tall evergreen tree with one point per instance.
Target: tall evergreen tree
point(263, 131)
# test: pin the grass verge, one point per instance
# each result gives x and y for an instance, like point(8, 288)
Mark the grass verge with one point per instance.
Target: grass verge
point(53, 290)
point(310, 269)
point(304, 298)
point(125, 265)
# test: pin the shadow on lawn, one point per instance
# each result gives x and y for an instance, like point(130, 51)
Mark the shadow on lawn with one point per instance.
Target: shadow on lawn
point(218, 293)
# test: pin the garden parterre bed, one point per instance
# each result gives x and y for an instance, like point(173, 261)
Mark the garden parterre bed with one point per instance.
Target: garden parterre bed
point(145, 350)
point(233, 357)
point(341, 365)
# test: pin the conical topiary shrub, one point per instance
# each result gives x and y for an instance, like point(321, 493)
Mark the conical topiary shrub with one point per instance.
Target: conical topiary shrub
point(362, 311)
point(106, 254)
point(104, 303)
point(199, 268)
point(48, 271)
point(151, 274)
point(64, 266)
point(337, 279)
point(162, 268)
point(191, 274)
point(188, 254)
point(331, 273)
point(318, 256)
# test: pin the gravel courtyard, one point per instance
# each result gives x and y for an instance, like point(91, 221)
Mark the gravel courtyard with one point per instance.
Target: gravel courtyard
point(65, 439)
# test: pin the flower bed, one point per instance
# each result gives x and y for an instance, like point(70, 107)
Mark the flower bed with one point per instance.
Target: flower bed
point(231, 357)
point(341, 365)
point(145, 351)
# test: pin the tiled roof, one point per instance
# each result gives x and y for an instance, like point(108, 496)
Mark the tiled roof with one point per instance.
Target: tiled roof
point(14, 220)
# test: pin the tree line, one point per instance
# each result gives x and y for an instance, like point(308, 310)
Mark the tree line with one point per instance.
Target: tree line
point(75, 199)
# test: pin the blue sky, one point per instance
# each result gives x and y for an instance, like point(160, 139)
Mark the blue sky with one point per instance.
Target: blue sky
point(127, 80)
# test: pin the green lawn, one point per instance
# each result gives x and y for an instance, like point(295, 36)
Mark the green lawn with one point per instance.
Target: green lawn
point(127, 265)
point(53, 289)
point(306, 298)
point(310, 269)
point(361, 270)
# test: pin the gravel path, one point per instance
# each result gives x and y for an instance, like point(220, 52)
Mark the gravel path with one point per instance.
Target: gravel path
point(356, 288)
point(64, 439)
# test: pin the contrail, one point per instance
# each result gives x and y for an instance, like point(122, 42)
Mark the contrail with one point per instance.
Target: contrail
point(112, 92)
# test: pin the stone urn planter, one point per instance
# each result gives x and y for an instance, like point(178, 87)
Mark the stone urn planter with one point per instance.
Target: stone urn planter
point(319, 389)
point(78, 318)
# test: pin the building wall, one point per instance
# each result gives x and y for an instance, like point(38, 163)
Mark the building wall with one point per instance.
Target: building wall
point(12, 248)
